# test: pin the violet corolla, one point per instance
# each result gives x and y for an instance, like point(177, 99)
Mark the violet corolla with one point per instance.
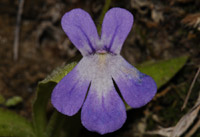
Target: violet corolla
point(103, 110)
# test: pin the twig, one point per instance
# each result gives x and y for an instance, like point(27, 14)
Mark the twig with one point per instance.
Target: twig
point(194, 129)
point(17, 30)
point(105, 8)
point(190, 89)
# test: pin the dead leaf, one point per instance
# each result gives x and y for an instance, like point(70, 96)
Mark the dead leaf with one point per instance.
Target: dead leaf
point(186, 121)
point(192, 20)
point(194, 129)
point(183, 124)
point(142, 5)
point(157, 15)
point(166, 132)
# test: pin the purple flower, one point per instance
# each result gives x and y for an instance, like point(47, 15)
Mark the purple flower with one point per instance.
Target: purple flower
point(103, 110)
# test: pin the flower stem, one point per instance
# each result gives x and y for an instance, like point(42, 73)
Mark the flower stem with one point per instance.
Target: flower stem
point(105, 9)
point(55, 124)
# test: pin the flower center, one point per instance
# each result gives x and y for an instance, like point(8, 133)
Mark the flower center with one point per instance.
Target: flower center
point(101, 51)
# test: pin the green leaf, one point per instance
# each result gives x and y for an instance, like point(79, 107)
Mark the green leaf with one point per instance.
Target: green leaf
point(13, 125)
point(42, 97)
point(163, 71)
point(13, 101)
point(73, 126)
point(64, 126)
point(55, 124)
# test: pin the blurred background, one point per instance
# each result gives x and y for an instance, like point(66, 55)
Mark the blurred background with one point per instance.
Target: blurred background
point(162, 30)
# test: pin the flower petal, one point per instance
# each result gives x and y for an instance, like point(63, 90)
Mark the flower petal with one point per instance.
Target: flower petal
point(70, 92)
point(103, 110)
point(116, 25)
point(136, 88)
point(81, 30)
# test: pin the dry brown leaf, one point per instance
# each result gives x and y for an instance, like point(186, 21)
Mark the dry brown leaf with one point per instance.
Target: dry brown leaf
point(183, 124)
point(157, 15)
point(166, 132)
point(186, 121)
point(192, 20)
point(142, 5)
point(194, 129)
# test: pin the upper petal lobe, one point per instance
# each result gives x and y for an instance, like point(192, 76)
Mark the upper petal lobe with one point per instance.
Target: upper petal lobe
point(116, 25)
point(81, 30)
